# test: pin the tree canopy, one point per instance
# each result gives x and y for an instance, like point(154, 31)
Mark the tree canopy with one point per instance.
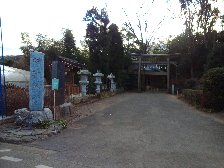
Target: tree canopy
point(105, 43)
point(107, 49)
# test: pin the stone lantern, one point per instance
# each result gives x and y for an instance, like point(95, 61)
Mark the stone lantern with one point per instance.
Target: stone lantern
point(98, 81)
point(112, 83)
point(83, 80)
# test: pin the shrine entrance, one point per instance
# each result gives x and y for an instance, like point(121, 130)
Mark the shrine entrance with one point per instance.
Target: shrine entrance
point(154, 71)
point(154, 82)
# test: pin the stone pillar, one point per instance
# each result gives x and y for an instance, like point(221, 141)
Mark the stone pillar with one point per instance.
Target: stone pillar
point(98, 81)
point(173, 89)
point(36, 86)
point(112, 83)
point(83, 80)
point(168, 74)
point(139, 73)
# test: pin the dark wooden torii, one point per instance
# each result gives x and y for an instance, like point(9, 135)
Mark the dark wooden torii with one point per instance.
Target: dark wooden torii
point(140, 56)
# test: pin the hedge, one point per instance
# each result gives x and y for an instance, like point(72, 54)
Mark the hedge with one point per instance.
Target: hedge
point(194, 97)
point(213, 88)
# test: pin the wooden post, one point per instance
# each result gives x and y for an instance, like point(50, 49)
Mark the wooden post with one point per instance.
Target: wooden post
point(139, 73)
point(54, 106)
point(168, 74)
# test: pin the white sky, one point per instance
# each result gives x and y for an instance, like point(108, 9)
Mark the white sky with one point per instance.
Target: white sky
point(50, 16)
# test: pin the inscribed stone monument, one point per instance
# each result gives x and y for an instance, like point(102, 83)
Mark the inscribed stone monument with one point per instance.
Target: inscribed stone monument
point(36, 86)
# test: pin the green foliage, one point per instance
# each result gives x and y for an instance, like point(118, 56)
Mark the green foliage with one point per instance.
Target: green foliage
point(52, 48)
point(200, 44)
point(43, 125)
point(213, 88)
point(96, 39)
point(194, 97)
point(61, 122)
point(185, 3)
point(216, 54)
point(118, 62)
point(161, 48)
point(191, 84)
point(131, 45)
point(42, 42)
point(47, 124)
point(202, 55)
point(8, 62)
point(16, 97)
point(69, 49)
point(105, 43)
point(193, 59)
point(207, 15)
point(27, 46)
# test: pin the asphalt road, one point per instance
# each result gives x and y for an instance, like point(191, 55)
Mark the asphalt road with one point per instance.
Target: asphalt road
point(131, 130)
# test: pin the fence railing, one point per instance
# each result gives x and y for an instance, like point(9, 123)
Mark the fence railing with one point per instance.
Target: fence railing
point(71, 89)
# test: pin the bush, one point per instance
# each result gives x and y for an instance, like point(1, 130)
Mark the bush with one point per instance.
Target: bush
point(194, 97)
point(213, 88)
point(47, 124)
point(16, 98)
point(192, 84)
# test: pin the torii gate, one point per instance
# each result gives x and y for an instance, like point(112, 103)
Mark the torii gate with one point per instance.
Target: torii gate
point(140, 56)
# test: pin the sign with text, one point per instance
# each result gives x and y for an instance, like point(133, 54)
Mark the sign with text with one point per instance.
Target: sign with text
point(55, 84)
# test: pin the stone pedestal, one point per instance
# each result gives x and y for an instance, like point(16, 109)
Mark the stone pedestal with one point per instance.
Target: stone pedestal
point(112, 83)
point(25, 117)
point(83, 80)
point(98, 81)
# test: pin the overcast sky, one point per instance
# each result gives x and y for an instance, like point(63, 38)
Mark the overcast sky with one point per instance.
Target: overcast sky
point(49, 17)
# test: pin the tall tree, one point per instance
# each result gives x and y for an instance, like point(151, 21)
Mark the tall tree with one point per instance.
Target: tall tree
point(96, 39)
point(69, 48)
point(25, 48)
point(105, 43)
point(216, 54)
point(50, 47)
point(200, 16)
point(139, 32)
point(118, 61)
point(42, 42)
point(197, 58)
point(206, 13)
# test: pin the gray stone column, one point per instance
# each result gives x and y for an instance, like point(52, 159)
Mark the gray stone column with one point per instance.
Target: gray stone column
point(168, 74)
point(139, 73)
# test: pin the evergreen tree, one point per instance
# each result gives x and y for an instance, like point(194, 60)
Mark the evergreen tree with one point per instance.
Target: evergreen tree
point(69, 49)
point(96, 39)
point(116, 55)
point(105, 43)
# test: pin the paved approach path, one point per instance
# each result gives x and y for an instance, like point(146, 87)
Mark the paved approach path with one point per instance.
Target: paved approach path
point(130, 130)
